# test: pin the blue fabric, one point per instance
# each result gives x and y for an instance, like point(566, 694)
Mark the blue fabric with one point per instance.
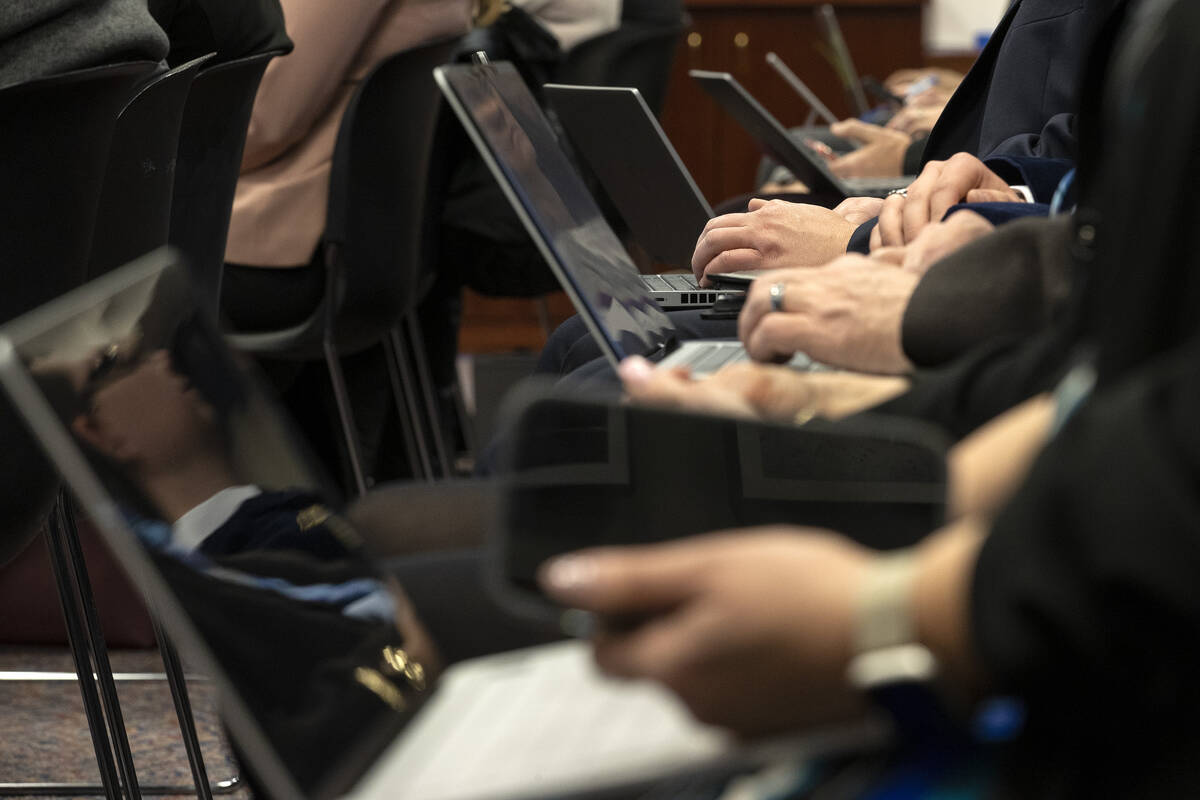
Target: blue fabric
point(1019, 97)
point(363, 598)
point(860, 241)
point(1041, 175)
point(1000, 213)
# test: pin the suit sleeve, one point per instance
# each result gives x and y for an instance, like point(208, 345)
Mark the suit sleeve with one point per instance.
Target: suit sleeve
point(1056, 139)
point(1084, 600)
point(1007, 284)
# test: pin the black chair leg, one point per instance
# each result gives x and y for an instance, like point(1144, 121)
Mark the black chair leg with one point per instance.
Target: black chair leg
point(83, 663)
point(432, 408)
point(465, 423)
point(341, 397)
point(404, 398)
point(183, 711)
point(69, 544)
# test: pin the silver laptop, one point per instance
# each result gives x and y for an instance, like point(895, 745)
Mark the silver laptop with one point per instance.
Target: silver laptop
point(774, 141)
point(618, 136)
point(203, 496)
point(516, 141)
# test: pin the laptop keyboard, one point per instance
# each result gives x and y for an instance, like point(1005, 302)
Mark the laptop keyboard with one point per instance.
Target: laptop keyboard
point(671, 283)
point(710, 358)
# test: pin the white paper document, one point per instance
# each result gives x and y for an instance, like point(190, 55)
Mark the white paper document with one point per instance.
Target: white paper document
point(544, 722)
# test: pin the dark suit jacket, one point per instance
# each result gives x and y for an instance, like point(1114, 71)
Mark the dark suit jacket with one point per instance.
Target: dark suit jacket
point(1008, 284)
point(1019, 98)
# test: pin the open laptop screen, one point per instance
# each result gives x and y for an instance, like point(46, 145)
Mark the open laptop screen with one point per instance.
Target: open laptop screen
point(213, 509)
point(512, 131)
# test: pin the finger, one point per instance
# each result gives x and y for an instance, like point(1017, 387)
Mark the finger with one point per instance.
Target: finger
point(716, 241)
point(876, 238)
point(725, 221)
point(758, 297)
point(629, 580)
point(757, 304)
point(857, 130)
point(890, 255)
point(742, 260)
point(891, 222)
point(661, 387)
point(915, 215)
point(756, 203)
point(992, 196)
point(774, 337)
point(851, 164)
point(952, 191)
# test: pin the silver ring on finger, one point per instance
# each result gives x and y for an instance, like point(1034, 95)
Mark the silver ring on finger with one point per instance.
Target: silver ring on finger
point(776, 293)
point(898, 192)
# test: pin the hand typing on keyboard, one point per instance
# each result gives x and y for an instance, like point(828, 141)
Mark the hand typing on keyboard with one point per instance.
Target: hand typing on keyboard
point(774, 234)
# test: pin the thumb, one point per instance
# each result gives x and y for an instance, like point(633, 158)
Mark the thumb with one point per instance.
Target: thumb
point(756, 203)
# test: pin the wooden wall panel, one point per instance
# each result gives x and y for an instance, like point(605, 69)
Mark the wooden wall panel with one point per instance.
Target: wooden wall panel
point(883, 35)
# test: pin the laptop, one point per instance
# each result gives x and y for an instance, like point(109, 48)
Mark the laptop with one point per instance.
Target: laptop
point(774, 140)
point(840, 54)
point(801, 88)
point(129, 388)
point(618, 136)
point(516, 141)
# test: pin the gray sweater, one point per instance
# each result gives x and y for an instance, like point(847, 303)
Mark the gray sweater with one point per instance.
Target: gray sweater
point(45, 37)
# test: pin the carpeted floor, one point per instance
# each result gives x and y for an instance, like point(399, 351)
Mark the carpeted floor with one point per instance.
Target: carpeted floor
point(44, 735)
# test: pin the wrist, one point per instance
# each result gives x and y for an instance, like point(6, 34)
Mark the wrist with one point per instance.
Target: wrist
point(940, 597)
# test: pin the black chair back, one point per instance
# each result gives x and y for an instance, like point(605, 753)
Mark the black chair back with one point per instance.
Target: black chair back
point(384, 195)
point(636, 54)
point(55, 134)
point(211, 138)
point(134, 216)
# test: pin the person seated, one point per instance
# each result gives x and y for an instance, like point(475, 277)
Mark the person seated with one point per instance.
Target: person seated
point(1037, 590)
point(279, 208)
point(64, 35)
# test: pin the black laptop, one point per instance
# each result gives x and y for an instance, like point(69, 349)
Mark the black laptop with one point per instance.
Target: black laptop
point(774, 141)
point(519, 146)
point(203, 495)
point(620, 139)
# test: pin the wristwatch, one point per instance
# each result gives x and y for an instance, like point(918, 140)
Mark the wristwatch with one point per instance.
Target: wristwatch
point(890, 665)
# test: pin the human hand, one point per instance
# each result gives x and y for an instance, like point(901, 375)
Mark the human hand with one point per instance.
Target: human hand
point(753, 631)
point(859, 209)
point(941, 185)
point(880, 156)
point(763, 391)
point(900, 81)
point(936, 242)
point(773, 234)
point(914, 119)
point(847, 314)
